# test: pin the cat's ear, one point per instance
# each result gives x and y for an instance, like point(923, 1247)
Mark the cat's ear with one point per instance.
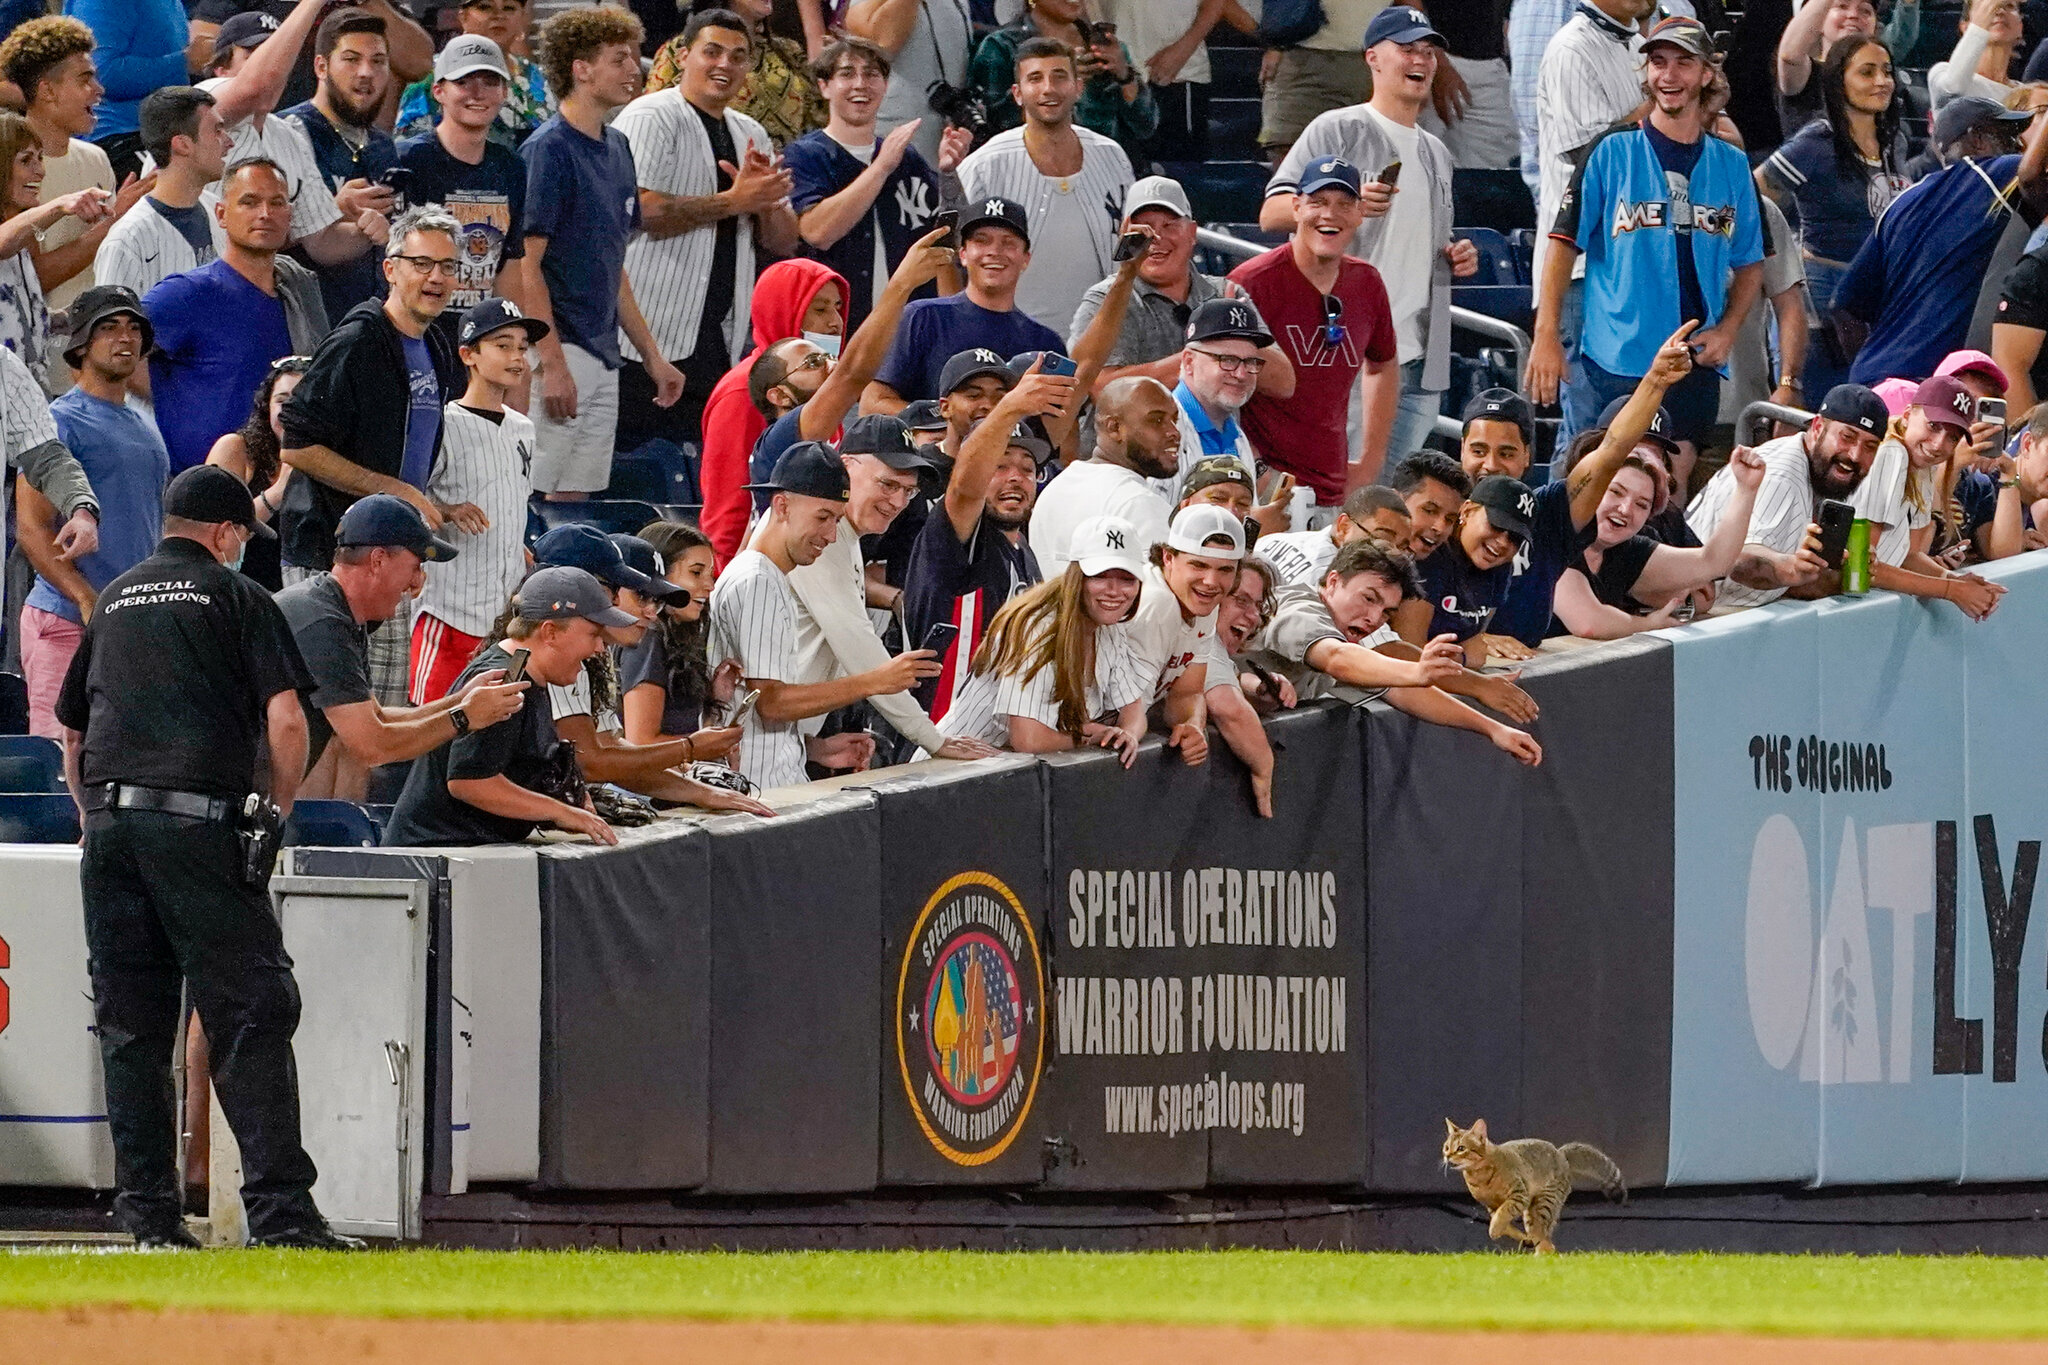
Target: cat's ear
point(1479, 1128)
point(1452, 1126)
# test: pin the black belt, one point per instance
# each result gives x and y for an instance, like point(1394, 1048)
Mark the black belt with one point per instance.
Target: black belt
point(191, 805)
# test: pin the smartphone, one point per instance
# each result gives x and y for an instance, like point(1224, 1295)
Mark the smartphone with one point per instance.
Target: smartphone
point(743, 706)
point(1991, 410)
point(399, 178)
point(1391, 175)
point(1052, 362)
point(940, 638)
point(517, 672)
point(1129, 246)
point(1835, 519)
point(949, 220)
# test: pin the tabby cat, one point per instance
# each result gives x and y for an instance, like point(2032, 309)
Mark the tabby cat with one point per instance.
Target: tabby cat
point(1527, 1179)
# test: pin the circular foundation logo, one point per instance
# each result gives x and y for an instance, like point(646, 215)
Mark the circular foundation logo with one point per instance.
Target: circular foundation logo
point(970, 1018)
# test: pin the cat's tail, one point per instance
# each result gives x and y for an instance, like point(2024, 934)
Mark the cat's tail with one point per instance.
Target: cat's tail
point(1591, 1166)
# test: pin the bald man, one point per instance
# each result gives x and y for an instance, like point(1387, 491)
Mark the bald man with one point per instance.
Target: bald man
point(1137, 439)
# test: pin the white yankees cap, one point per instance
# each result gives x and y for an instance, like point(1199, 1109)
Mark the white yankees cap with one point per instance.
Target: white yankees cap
point(1104, 544)
point(1199, 523)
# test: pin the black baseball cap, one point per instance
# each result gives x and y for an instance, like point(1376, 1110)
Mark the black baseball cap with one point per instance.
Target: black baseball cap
point(208, 494)
point(884, 437)
point(1855, 406)
point(95, 306)
point(495, 315)
point(1508, 502)
point(809, 469)
point(387, 520)
point(247, 29)
point(557, 592)
point(923, 415)
point(581, 546)
point(1658, 431)
point(1501, 405)
point(1029, 436)
point(1219, 318)
point(1965, 112)
point(972, 364)
point(1000, 212)
point(644, 558)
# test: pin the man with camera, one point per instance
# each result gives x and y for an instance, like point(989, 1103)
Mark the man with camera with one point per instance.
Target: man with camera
point(186, 672)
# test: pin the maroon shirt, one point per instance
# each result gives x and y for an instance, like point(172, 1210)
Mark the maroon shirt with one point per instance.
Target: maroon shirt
point(1305, 435)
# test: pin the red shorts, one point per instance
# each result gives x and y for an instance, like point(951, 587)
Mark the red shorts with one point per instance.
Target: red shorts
point(439, 654)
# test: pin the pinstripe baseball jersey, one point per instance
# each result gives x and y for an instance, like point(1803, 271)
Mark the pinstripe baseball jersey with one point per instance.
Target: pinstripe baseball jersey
point(144, 247)
point(486, 463)
point(1784, 509)
point(984, 705)
point(671, 275)
point(753, 619)
point(1591, 79)
point(1073, 219)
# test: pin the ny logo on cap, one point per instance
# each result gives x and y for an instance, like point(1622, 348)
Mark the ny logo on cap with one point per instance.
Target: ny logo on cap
point(1960, 402)
point(1526, 504)
point(1239, 317)
point(995, 208)
point(267, 22)
point(1114, 539)
point(987, 357)
point(510, 308)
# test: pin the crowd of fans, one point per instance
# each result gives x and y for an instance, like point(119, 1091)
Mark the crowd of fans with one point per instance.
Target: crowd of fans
point(987, 461)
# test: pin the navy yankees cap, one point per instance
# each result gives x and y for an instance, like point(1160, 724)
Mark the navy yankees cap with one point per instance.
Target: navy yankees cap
point(997, 211)
point(579, 546)
point(1400, 24)
point(1327, 171)
point(1501, 405)
point(1853, 405)
point(809, 469)
point(966, 365)
point(247, 29)
point(208, 494)
point(1220, 318)
point(556, 592)
point(1659, 430)
point(923, 415)
point(495, 315)
point(384, 519)
point(643, 557)
point(884, 437)
point(1509, 504)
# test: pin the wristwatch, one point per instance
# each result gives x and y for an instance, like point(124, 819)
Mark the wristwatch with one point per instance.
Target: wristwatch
point(459, 718)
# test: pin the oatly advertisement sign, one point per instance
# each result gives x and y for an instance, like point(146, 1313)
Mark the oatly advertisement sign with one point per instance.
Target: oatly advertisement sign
point(1860, 983)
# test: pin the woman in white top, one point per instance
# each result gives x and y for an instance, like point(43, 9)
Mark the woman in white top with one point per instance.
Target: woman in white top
point(1900, 495)
point(24, 316)
point(1046, 670)
point(1982, 61)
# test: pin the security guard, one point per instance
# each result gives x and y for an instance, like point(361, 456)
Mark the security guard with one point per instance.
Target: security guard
point(185, 668)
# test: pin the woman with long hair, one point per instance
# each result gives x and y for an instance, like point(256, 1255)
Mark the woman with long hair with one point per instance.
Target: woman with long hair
point(667, 684)
point(1838, 173)
point(24, 316)
point(1052, 662)
point(254, 453)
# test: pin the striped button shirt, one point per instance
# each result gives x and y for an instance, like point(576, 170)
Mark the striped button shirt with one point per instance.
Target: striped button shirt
point(1073, 218)
point(984, 705)
point(672, 275)
point(1591, 79)
point(485, 463)
point(753, 619)
point(143, 248)
point(1784, 509)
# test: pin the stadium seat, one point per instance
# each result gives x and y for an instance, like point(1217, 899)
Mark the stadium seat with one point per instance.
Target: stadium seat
point(638, 478)
point(606, 514)
point(1228, 191)
point(13, 704)
point(1489, 198)
point(1497, 263)
point(30, 763)
point(1513, 303)
point(38, 818)
point(331, 824)
point(1522, 241)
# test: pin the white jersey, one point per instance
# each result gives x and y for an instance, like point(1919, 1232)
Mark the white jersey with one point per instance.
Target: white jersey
point(1591, 77)
point(753, 619)
point(281, 140)
point(1074, 220)
point(672, 275)
point(1897, 497)
point(486, 463)
point(1094, 488)
point(1784, 509)
point(983, 707)
point(1297, 556)
point(1164, 644)
point(143, 249)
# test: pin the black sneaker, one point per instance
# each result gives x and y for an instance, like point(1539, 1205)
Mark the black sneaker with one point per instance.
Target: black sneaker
point(314, 1237)
point(166, 1237)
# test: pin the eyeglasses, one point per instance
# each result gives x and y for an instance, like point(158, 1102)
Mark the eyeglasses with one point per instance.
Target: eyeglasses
point(1333, 320)
point(1235, 364)
point(431, 265)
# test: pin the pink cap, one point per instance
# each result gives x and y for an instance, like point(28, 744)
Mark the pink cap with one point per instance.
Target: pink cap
point(1963, 362)
point(1897, 394)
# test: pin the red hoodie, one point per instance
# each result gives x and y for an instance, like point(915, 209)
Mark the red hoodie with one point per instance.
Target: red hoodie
point(782, 296)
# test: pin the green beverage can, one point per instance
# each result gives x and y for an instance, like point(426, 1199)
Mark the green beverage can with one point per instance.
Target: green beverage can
point(1856, 559)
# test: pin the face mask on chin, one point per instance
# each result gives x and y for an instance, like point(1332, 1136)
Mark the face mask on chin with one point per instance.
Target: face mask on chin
point(235, 565)
point(828, 342)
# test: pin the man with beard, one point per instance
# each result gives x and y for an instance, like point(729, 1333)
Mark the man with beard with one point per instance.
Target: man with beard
point(1227, 349)
point(353, 64)
point(971, 557)
point(1827, 460)
point(1137, 440)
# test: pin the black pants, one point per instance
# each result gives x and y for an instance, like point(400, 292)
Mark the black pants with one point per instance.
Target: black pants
point(1183, 133)
point(164, 900)
point(641, 421)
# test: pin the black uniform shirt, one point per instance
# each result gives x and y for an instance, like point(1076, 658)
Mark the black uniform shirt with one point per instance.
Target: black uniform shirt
point(172, 680)
point(427, 816)
point(336, 648)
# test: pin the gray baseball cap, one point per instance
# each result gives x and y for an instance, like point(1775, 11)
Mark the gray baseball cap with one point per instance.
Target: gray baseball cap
point(468, 54)
point(563, 594)
point(1157, 192)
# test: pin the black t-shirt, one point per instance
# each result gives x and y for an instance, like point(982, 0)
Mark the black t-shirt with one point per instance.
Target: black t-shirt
point(488, 199)
point(172, 680)
point(1463, 596)
point(1677, 159)
point(965, 584)
point(1669, 527)
point(1620, 566)
point(648, 662)
point(1796, 111)
point(2023, 302)
point(1552, 546)
point(724, 253)
point(336, 648)
point(1474, 29)
point(518, 747)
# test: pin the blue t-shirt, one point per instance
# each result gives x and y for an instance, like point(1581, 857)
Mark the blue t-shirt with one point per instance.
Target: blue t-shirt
point(1554, 545)
point(933, 331)
point(423, 419)
point(192, 224)
point(216, 336)
point(1678, 160)
point(1835, 212)
point(819, 167)
point(584, 197)
point(123, 455)
point(1916, 278)
point(1977, 496)
point(344, 286)
point(1465, 598)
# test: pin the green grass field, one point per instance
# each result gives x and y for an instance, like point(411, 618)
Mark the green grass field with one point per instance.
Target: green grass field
point(1824, 1295)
